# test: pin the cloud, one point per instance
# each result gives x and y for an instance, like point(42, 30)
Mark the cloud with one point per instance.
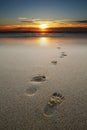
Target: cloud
point(82, 21)
point(29, 21)
point(53, 22)
point(36, 21)
point(78, 21)
point(66, 21)
point(22, 18)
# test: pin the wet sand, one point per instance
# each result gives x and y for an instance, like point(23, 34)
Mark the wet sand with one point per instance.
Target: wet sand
point(24, 103)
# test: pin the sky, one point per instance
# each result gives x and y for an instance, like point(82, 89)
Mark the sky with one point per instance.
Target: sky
point(32, 13)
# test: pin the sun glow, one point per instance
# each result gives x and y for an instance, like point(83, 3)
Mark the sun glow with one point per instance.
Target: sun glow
point(43, 26)
point(43, 41)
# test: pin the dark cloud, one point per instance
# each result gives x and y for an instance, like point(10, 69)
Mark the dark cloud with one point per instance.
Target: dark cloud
point(27, 21)
point(80, 21)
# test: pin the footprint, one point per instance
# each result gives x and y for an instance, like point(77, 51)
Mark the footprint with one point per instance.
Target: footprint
point(39, 78)
point(31, 91)
point(49, 110)
point(54, 62)
point(63, 54)
point(58, 47)
point(52, 104)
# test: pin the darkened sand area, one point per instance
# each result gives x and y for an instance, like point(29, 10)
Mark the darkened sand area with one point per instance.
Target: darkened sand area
point(43, 83)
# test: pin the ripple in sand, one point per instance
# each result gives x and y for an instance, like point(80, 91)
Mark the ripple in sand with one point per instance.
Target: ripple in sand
point(51, 106)
point(31, 91)
point(39, 78)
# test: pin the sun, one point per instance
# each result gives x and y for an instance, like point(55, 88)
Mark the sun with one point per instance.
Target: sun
point(43, 26)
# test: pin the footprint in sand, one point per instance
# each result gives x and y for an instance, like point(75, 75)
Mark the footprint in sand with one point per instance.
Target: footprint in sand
point(54, 62)
point(39, 78)
point(31, 91)
point(63, 54)
point(52, 104)
point(58, 47)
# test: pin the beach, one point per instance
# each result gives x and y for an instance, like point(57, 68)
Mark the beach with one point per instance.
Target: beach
point(61, 63)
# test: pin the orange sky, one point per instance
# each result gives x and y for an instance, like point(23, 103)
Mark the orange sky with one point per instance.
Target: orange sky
point(25, 24)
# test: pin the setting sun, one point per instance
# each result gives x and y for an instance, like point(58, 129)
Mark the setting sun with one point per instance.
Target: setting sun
point(43, 26)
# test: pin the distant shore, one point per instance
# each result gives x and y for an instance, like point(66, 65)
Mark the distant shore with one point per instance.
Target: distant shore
point(40, 34)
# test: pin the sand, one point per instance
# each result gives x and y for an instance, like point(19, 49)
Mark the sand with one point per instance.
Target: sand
point(24, 102)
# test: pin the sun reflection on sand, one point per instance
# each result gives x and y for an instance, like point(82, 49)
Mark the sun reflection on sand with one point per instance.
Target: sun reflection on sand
point(43, 41)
